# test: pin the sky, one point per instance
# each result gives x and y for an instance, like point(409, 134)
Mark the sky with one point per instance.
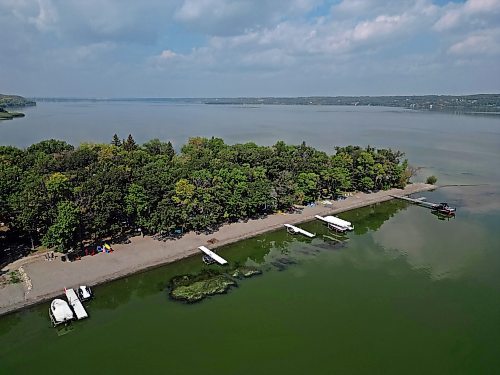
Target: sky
point(229, 48)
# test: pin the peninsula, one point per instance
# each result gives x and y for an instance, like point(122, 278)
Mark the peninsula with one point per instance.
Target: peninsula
point(12, 101)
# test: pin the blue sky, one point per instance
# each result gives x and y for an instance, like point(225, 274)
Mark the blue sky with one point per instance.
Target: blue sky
point(200, 48)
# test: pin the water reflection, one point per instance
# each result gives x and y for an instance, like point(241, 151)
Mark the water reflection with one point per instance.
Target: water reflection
point(444, 248)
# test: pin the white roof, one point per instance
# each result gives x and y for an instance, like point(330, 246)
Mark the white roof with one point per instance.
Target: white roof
point(336, 221)
point(60, 310)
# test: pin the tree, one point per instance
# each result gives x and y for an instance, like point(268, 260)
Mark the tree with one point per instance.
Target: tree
point(63, 232)
point(308, 187)
point(58, 187)
point(129, 144)
point(431, 180)
point(137, 205)
point(116, 141)
point(366, 183)
point(156, 147)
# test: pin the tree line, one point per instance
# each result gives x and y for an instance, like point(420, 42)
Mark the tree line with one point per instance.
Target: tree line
point(54, 194)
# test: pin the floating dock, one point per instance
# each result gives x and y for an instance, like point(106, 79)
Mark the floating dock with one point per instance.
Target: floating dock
point(212, 255)
point(75, 304)
point(294, 230)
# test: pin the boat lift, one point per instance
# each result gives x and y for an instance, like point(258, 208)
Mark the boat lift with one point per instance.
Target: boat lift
point(75, 304)
point(212, 255)
point(294, 230)
point(336, 223)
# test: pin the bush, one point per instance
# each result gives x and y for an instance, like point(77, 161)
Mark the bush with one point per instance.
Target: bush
point(431, 180)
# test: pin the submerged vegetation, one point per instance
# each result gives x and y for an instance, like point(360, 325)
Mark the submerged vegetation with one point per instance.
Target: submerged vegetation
point(195, 288)
point(58, 195)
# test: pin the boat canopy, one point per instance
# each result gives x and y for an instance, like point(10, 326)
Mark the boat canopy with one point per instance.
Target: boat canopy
point(61, 311)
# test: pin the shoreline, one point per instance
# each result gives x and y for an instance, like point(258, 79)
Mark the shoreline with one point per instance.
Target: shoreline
point(48, 279)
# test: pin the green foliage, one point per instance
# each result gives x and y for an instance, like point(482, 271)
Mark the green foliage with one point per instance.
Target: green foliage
point(62, 233)
point(14, 101)
point(431, 180)
point(116, 141)
point(15, 277)
point(58, 195)
point(129, 144)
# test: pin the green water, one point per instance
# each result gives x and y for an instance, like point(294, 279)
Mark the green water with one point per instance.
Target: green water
point(380, 304)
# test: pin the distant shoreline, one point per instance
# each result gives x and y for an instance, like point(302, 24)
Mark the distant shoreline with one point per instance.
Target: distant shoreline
point(479, 104)
point(48, 279)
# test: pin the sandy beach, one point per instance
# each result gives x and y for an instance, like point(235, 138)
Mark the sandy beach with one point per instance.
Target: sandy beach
point(46, 280)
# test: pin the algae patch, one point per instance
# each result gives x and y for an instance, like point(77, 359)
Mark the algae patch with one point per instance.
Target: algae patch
point(194, 288)
point(198, 290)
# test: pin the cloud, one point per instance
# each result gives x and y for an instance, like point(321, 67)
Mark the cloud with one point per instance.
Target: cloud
point(232, 17)
point(47, 16)
point(475, 13)
point(303, 46)
point(484, 42)
point(167, 55)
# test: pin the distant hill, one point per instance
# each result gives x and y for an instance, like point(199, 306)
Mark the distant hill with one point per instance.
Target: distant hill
point(7, 101)
point(481, 103)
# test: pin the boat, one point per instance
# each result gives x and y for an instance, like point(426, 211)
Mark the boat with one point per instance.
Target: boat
point(207, 260)
point(85, 293)
point(60, 312)
point(443, 208)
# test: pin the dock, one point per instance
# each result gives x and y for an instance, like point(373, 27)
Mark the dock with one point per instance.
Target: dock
point(212, 255)
point(75, 304)
point(420, 201)
point(336, 223)
point(294, 230)
point(441, 207)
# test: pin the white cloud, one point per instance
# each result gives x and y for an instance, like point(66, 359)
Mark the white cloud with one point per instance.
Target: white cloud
point(306, 41)
point(475, 13)
point(47, 16)
point(380, 26)
point(167, 55)
point(233, 17)
point(485, 42)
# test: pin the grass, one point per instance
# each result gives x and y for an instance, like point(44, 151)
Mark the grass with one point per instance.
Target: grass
point(15, 277)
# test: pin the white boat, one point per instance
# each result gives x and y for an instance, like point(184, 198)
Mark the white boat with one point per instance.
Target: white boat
point(75, 304)
point(84, 293)
point(336, 222)
point(60, 312)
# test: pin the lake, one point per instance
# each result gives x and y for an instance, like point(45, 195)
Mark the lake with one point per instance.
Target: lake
point(407, 293)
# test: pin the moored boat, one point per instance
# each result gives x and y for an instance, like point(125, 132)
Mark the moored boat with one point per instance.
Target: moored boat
point(85, 293)
point(60, 312)
point(443, 208)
